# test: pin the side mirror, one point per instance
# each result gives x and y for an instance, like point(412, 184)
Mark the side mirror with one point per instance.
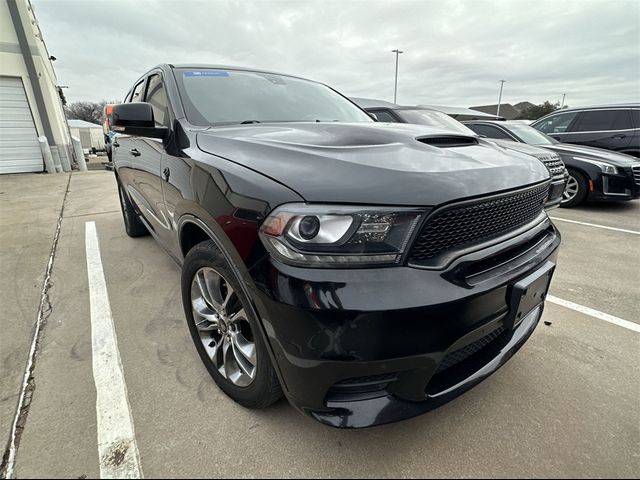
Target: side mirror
point(373, 115)
point(136, 119)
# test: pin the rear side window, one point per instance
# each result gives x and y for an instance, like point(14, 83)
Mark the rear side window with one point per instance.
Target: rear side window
point(599, 120)
point(157, 97)
point(557, 123)
point(384, 116)
point(635, 116)
point(490, 131)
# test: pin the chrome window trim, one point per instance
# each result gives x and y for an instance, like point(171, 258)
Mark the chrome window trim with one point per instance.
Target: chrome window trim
point(594, 131)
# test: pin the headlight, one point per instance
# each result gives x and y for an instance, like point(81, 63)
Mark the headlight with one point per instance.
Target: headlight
point(605, 167)
point(338, 236)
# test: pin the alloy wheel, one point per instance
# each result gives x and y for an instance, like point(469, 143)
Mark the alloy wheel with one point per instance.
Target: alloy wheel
point(571, 190)
point(225, 331)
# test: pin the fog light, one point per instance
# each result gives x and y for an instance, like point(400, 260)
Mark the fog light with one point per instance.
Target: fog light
point(309, 227)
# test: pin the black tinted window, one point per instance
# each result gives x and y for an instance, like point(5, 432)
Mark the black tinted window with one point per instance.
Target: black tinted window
point(157, 97)
point(556, 123)
point(490, 131)
point(384, 116)
point(598, 120)
point(635, 116)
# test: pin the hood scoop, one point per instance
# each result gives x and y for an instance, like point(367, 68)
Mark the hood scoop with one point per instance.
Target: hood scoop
point(448, 141)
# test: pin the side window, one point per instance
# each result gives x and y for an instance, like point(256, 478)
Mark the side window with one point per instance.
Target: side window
point(137, 91)
point(635, 115)
point(490, 131)
point(599, 120)
point(384, 116)
point(157, 97)
point(558, 123)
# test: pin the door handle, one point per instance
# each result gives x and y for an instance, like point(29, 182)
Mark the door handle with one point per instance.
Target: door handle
point(166, 172)
point(134, 152)
point(619, 137)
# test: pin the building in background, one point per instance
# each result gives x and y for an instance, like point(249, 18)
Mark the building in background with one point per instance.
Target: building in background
point(90, 134)
point(507, 110)
point(30, 99)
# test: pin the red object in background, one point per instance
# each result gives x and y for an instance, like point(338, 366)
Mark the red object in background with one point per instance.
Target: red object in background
point(106, 126)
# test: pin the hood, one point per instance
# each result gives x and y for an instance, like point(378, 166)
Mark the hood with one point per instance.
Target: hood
point(614, 158)
point(372, 163)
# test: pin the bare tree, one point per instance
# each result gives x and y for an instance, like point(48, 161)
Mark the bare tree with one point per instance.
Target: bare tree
point(92, 112)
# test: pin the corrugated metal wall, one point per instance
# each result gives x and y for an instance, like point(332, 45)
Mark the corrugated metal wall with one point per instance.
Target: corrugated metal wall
point(19, 149)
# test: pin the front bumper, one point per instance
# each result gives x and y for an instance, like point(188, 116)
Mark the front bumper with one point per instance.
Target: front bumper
point(362, 347)
point(623, 186)
point(556, 189)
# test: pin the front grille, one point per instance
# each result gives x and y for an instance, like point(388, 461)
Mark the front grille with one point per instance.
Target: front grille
point(636, 174)
point(554, 164)
point(460, 225)
point(465, 352)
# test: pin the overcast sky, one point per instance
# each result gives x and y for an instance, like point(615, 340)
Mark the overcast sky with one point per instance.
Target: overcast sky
point(455, 51)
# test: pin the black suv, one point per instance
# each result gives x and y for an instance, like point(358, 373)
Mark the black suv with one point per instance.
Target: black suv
point(613, 127)
point(370, 272)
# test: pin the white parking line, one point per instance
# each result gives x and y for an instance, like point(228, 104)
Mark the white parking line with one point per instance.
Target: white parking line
point(119, 457)
point(634, 232)
point(595, 313)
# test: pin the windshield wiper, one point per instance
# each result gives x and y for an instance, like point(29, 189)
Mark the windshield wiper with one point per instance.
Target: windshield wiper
point(246, 122)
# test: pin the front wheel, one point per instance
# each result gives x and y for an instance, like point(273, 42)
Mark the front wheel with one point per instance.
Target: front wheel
point(575, 191)
point(224, 329)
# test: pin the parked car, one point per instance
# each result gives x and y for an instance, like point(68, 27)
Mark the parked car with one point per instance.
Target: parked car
point(385, 112)
point(613, 127)
point(369, 271)
point(594, 174)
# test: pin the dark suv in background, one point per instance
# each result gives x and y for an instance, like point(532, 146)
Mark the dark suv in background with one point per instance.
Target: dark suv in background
point(613, 127)
point(368, 271)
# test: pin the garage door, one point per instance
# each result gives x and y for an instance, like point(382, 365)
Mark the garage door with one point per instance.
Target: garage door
point(19, 148)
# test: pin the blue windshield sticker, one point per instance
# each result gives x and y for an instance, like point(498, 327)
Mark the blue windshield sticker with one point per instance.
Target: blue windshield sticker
point(205, 73)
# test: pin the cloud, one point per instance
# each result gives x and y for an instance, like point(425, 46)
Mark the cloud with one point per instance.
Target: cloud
point(455, 51)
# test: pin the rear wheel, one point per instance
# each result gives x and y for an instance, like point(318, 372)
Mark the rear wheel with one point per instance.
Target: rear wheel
point(224, 330)
point(575, 191)
point(132, 224)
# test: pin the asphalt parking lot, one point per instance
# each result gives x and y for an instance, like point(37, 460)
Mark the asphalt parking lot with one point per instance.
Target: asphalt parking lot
point(567, 405)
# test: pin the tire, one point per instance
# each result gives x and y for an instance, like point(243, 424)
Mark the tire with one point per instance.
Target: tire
point(575, 191)
point(218, 342)
point(132, 224)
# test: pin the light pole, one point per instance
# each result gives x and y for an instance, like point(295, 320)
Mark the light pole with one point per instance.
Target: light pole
point(395, 88)
point(563, 95)
point(502, 82)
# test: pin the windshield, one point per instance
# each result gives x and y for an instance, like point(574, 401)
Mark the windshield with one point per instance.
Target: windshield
point(530, 135)
point(432, 118)
point(213, 96)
